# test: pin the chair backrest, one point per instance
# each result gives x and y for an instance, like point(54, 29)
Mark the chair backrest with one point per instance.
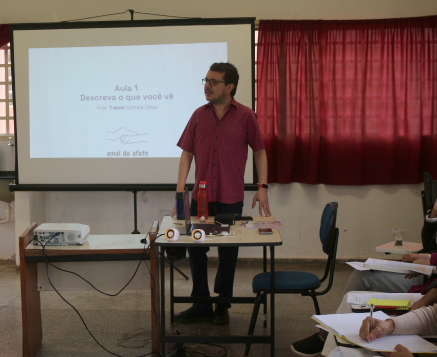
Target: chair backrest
point(327, 227)
point(329, 238)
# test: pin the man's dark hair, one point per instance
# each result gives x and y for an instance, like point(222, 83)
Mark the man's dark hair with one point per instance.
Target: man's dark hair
point(230, 71)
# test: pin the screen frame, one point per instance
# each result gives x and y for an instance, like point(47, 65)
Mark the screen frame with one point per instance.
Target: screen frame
point(116, 24)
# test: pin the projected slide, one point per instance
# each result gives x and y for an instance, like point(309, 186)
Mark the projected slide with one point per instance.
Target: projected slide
point(118, 101)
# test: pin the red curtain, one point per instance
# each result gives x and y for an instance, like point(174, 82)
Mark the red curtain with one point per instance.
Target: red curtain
point(4, 35)
point(348, 102)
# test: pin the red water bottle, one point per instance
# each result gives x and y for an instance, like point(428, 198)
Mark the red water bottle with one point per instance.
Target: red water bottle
point(202, 201)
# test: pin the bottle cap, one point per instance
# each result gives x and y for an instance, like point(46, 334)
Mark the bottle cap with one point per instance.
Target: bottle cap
point(203, 182)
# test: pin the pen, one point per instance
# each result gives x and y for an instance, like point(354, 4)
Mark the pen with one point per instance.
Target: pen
point(371, 321)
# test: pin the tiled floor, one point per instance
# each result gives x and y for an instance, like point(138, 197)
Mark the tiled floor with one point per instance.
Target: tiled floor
point(109, 318)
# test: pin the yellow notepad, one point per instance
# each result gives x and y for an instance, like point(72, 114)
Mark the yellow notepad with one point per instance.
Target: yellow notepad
point(390, 304)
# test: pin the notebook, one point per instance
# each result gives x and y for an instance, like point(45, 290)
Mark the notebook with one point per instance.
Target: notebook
point(348, 326)
point(208, 228)
point(390, 304)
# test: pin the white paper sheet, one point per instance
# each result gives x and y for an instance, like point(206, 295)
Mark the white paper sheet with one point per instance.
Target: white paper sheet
point(260, 225)
point(390, 265)
point(357, 265)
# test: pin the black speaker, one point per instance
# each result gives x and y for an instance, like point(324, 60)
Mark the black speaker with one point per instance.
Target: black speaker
point(225, 218)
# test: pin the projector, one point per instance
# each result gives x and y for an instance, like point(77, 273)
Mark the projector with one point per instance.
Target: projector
point(61, 234)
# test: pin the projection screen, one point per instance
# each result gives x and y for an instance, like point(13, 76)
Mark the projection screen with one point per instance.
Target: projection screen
point(105, 103)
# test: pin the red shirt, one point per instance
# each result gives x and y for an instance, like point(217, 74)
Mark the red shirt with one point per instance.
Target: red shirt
point(220, 149)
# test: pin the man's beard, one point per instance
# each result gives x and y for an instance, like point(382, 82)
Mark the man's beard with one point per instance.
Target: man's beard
point(219, 100)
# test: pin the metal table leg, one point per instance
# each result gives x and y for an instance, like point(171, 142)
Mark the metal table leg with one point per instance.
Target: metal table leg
point(265, 300)
point(171, 292)
point(162, 301)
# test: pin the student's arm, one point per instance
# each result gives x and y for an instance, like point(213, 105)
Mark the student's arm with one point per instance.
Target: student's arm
point(430, 298)
point(433, 213)
point(417, 322)
point(261, 195)
point(429, 230)
point(184, 169)
point(424, 259)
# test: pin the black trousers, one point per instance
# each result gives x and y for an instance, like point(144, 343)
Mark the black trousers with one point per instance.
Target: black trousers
point(224, 280)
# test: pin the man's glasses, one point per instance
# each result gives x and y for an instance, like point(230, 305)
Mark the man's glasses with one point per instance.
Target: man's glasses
point(213, 82)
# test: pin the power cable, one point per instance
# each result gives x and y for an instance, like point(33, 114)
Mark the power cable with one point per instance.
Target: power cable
point(77, 312)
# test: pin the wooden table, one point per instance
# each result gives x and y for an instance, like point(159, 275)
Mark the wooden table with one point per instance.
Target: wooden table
point(98, 248)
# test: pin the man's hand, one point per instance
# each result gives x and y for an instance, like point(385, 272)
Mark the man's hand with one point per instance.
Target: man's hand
point(261, 197)
point(401, 351)
point(379, 329)
point(184, 168)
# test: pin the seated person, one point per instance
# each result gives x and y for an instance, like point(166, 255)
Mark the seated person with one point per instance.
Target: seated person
point(417, 322)
point(385, 282)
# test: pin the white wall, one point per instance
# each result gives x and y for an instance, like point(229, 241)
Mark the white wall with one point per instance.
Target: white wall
point(366, 213)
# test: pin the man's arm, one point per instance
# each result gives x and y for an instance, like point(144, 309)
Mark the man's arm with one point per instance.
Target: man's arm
point(184, 169)
point(261, 195)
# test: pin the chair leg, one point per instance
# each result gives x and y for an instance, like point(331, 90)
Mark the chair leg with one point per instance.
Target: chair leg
point(258, 300)
point(316, 304)
point(265, 311)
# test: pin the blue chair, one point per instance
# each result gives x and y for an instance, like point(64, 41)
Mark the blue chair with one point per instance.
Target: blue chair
point(294, 282)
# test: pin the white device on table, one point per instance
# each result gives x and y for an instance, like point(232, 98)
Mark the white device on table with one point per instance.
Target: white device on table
point(61, 233)
point(172, 234)
point(198, 235)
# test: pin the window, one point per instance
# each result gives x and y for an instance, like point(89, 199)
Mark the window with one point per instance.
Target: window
point(6, 103)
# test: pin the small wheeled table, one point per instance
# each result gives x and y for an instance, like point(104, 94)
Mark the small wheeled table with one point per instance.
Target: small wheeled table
point(250, 238)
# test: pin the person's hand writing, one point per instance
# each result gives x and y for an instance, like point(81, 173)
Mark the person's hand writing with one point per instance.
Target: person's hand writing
point(379, 329)
point(263, 202)
point(401, 351)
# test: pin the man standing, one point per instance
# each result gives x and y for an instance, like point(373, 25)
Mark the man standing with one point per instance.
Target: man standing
point(217, 136)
